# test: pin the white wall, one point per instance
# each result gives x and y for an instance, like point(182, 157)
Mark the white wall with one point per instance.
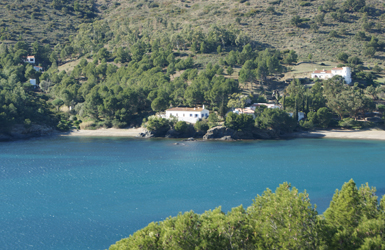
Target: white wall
point(188, 116)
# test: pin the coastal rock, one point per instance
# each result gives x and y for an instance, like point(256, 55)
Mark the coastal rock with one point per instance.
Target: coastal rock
point(218, 132)
point(223, 133)
point(161, 132)
point(226, 138)
point(172, 134)
point(20, 131)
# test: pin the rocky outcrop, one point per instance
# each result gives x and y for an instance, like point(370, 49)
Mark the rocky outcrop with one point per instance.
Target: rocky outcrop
point(218, 132)
point(223, 133)
point(161, 132)
point(20, 131)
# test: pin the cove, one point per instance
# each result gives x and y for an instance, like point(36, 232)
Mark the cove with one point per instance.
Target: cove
point(87, 193)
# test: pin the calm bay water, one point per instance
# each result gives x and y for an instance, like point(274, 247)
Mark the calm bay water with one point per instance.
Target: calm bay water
point(87, 193)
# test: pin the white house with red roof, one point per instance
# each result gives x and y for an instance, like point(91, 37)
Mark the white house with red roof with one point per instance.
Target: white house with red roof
point(191, 115)
point(345, 72)
point(38, 68)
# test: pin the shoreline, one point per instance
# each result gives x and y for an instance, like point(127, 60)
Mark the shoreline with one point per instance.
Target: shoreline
point(371, 134)
point(106, 132)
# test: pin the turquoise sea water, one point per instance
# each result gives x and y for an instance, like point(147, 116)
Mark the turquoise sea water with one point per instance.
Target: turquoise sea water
point(87, 193)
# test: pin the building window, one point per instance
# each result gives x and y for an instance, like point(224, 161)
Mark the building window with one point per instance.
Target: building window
point(196, 115)
point(183, 114)
point(190, 115)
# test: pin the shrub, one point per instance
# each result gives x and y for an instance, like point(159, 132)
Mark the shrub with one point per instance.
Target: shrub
point(201, 126)
point(155, 123)
point(303, 3)
point(87, 125)
point(342, 57)
point(370, 52)
point(270, 10)
point(333, 33)
point(349, 123)
point(181, 127)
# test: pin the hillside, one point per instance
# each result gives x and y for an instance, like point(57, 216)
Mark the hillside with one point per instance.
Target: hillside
point(137, 58)
point(323, 30)
point(46, 21)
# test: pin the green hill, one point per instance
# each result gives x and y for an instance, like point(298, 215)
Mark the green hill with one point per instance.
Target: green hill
point(127, 60)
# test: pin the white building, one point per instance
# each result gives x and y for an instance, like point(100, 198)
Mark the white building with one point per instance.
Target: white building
point(191, 115)
point(32, 82)
point(268, 105)
point(345, 72)
point(38, 68)
point(30, 59)
point(301, 115)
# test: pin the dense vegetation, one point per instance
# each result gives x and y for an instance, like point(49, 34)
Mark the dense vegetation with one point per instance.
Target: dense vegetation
point(282, 220)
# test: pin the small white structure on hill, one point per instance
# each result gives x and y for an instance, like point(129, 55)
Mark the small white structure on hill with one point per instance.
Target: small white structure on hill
point(38, 68)
point(345, 72)
point(250, 110)
point(32, 82)
point(301, 115)
point(30, 59)
point(268, 105)
point(191, 115)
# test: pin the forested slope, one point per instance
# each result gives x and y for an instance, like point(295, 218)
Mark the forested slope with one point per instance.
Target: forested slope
point(137, 58)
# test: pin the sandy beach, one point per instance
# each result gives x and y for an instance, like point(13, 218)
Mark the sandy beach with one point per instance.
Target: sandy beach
point(372, 134)
point(112, 132)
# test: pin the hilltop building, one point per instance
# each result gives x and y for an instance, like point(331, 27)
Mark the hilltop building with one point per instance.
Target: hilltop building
point(29, 59)
point(33, 82)
point(345, 72)
point(38, 68)
point(191, 115)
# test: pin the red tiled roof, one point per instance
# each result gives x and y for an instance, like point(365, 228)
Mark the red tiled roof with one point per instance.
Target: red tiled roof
point(185, 109)
point(337, 68)
point(30, 56)
point(322, 71)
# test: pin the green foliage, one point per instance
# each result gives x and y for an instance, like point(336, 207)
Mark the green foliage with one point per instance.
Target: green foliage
point(201, 126)
point(181, 126)
point(342, 57)
point(354, 5)
point(291, 57)
point(275, 119)
point(345, 100)
point(284, 219)
point(213, 120)
point(296, 20)
point(156, 123)
point(348, 123)
point(240, 122)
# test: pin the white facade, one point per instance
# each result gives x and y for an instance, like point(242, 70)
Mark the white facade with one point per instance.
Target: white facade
point(30, 59)
point(32, 82)
point(301, 115)
point(191, 115)
point(345, 72)
point(38, 68)
point(268, 105)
